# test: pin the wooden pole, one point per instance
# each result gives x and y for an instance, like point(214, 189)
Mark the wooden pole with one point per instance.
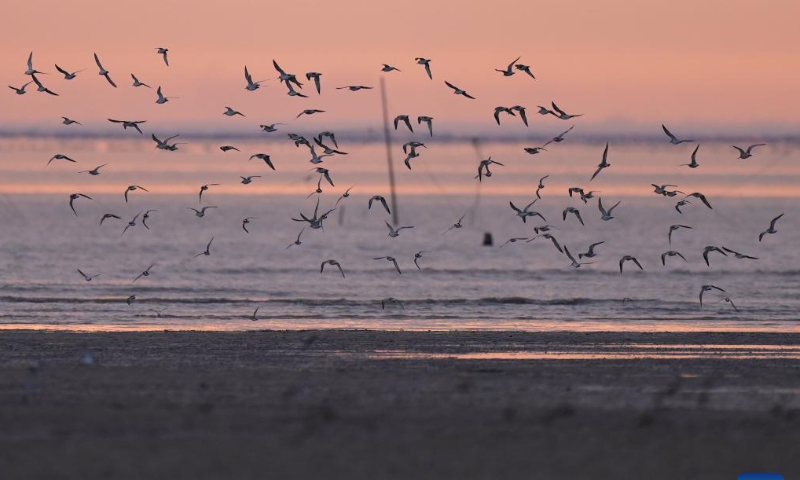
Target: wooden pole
point(388, 137)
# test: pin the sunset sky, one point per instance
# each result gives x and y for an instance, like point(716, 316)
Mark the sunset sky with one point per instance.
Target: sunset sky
point(704, 66)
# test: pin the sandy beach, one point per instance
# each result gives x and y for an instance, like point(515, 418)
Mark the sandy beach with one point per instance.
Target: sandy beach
point(373, 404)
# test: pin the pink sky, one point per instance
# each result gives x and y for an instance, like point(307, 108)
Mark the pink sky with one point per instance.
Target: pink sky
point(687, 63)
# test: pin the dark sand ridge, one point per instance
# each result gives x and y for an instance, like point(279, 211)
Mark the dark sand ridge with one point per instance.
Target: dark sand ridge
point(371, 405)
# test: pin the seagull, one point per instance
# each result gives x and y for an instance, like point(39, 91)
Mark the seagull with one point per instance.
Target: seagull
point(591, 253)
point(346, 194)
point(248, 180)
point(526, 69)
point(394, 232)
point(103, 71)
point(572, 210)
point(417, 256)
point(701, 197)
point(146, 273)
point(427, 63)
point(354, 88)
point(534, 150)
point(330, 135)
point(254, 317)
point(161, 98)
point(41, 88)
point(69, 121)
point(380, 199)
point(265, 157)
point(324, 172)
point(428, 121)
point(743, 154)
point(522, 113)
point(484, 164)
point(130, 224)
point(294, 93)
point(31, 71)
point(509, 70)
point(129, 124)
point(94, 171)
point(544, 228)
point(391, 300)
point(74, 197)
point(560, 137)
point(21, 90)
point(163, 52)
point(130, 300)
point(771, 228)
point(458, 91)
point(671, 253)
point(499, 110)
point(132, 188)
point(251, 85)
point(412, 146)
point(585, 196)
point(629, 258)
point(59, 156)
point(163, 145)
point(545, 111)
point(270, 128)
point(456, 225)
point(204, 188)
point(145, 217)
point(138, 83)
point(287, 78)
point(575, 263)
point(681, 204)
point(246, 222)
point(316, 77)
point(672, 228)
point(108, 215)
point(314, 222)
point(694, 163)
point(299, 140)
point(560, 113)
point(661, 189)
point(231, 112)
point(404, 119)
point(207, 251)
point(513, 240)
point(331, 262)
point(408, 159)
point(549, 237)
point(390, 259)
point(541, 185)
point(603, 164)
point(308, 111)
point(228, 148)
point(606, 215)
point(88, 278)
point(202, 212)
point(296, 242)
point(728, 300)
point(317, 159)
point(69, 75)
point(525, 212)
point(708, 288)
point(672, 138)
point(709, 249)
point(328, 150)
point(739, 256)
point(388, 68)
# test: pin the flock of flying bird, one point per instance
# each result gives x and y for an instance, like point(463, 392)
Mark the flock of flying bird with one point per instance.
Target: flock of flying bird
point(326, 145)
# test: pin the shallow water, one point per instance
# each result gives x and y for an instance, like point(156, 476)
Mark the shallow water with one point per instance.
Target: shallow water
point(462, 284)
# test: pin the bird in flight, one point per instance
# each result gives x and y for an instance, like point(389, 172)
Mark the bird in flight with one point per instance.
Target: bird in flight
point(526, 212)
point(417, 256)
point(95, 171)
point(109, 215)
point(394, 232)
point(251, 85)
point(202, 212)
point(575, 263)
point(69, 121)
point(693, 163)
point(426, 62)
point(590, 253)
point(207, 251)
point(428, 121)
point(388, 68)
point(161, 98)
point(771, 229)
point(265, 157)
point(138, 83)
point(743, 154)
point(672, 228)
point(129, 124)
point(708, 288)
point(739, 256)
point(332, 263)
point(629, 258)
point(31, 71)
point(67, 74)
point(574, 211)
point(456, 225)
point(103, 71)
point(458, 91)
point(41, 88)
point(701, 197)
point(526, 69)
point(379, 199)
point(146, 273)
point(405, 120)
point(145, 217)
point(297, 241)
point(709, 249)
point(132, 188)
point(389, 300)
point(74, 197)
point(316, 77)
point(561, 114)
point(246, 222)
point(163, 52)
point(249, 180)
point(88, 278)
point(603, 164)
point(20, 90)
point(672, 138)
point(509, 70)
point(606, 214)
point(229, 112)
point(670, 253)
point(204, 188)
point(483, 168)
point(390, 259)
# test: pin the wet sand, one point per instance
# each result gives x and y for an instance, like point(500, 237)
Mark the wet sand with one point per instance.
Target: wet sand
point(372, 405)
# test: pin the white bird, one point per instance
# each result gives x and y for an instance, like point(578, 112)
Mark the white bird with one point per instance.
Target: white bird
point(202, 212)
point(591, 253)
point(207, 251)
point(771, 229)
point(380, 199)
point(130, 224)
point(41, 88)
point(428, 121)
point(270, 127)
point(426, 62)
point(743, 154)
point(575, 263)
point(88, 278)
point(95, 171)
point(103, 71)
point(672, 138)
point(129, 124)
point(526, 212)
point(390, 259)
point(456, 225)
point(164, 145)
point(251, 85)
point(138, 83)
point(459, 91)
point(388, 68)
point(231, 112)
point(561, 113)
point(394, 232)
point(69, 121)
point(694, 163)
point(287, 78)
point(161, 98)
point(606, 214)
point(333, 263)
point(31, 71)
point(69, 75)
point(630, 258)
point(163, 52)
point(603, 164)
